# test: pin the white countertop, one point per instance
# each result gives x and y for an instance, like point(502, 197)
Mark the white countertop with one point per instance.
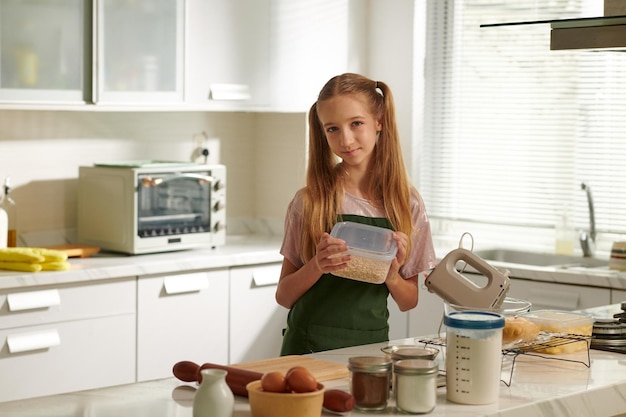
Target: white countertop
point(539, 387)
point(597, 277)
point(238, 251)
point(250, 250)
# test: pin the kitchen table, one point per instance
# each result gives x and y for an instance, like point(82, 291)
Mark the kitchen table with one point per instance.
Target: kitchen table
point(538, 387)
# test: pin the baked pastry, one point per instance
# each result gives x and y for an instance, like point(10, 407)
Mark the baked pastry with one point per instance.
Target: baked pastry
point(518, 329)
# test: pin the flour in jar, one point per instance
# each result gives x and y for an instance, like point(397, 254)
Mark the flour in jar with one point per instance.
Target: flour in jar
point(473, 366)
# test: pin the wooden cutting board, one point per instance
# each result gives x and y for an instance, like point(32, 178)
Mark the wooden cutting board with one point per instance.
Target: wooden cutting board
point(321, 370)
point(75, 251)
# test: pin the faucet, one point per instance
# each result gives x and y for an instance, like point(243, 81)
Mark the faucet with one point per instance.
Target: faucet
point(588, 240)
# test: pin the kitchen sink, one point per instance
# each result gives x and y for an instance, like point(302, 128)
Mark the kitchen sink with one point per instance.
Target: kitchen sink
point(542, 259)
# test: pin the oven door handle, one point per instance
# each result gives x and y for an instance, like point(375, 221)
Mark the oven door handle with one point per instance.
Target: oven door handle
point(148, 181)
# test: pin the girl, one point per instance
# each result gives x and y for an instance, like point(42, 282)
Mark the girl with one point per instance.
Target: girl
point(355, 173)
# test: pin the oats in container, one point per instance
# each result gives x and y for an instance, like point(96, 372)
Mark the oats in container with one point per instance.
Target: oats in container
point(371, 249)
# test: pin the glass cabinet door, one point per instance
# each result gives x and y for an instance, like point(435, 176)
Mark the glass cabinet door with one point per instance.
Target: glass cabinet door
point(42, 50)
point(139, 51)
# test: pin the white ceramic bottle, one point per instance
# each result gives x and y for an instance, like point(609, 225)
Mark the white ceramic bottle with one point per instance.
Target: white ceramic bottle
point(213, 397)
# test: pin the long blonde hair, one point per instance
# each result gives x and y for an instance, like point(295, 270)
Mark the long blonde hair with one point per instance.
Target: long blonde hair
point(389, 188)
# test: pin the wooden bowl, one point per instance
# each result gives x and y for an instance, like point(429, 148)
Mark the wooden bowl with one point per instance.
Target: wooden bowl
point(279, 404)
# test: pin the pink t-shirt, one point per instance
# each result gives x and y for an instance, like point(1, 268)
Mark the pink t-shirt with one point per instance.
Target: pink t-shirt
point(422, 256)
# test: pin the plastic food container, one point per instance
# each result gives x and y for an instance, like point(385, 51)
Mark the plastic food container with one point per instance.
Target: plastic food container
point(556, 321)
point(473, 356)
point(372, 249)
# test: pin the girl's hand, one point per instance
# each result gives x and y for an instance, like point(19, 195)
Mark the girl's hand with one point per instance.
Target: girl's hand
point(402, 241)
point(330, 254)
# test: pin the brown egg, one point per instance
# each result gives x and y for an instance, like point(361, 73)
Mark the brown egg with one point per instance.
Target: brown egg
point(295, 368)
point(301, 380)
point(274, 382)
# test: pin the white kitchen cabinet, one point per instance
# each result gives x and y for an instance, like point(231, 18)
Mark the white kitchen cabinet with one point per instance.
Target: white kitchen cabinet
point(139, 54)
point(312, 41)
point(228, 53)
point(398, 320)
point(42, 46)
point(549, 295)
point(426, 318)
point(256, 319)
point(67, 338)
point(618, 296)
point(181, 317)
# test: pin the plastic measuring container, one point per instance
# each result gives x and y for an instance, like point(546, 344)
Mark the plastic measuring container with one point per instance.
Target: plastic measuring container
point(473, 356)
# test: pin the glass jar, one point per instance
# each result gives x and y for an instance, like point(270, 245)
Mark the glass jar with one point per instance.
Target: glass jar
point(370, 379)
point(415, 384)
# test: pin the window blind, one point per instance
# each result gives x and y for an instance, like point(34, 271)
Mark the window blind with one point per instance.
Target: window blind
point(512, 129)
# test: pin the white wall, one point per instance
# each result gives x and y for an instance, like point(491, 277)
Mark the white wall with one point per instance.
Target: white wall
point(395, 55)
point(42, 150)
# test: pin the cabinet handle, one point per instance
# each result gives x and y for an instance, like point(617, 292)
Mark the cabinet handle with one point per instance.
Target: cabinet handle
point(554, 299)
point(33, 299)
point(229, 92)
point(266, 276)
point(185, 283)
point(33, 341)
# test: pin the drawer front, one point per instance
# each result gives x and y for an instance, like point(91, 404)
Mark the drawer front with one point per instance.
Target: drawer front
point(181, 317)
point(69, 302)
point(256, 320)
point(67, 357)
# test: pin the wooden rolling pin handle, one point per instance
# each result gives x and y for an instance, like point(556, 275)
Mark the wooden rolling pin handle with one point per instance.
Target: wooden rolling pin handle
point(236, 378)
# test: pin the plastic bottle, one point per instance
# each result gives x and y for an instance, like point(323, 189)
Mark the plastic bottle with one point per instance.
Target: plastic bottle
point(8, 205)
point(565, 236)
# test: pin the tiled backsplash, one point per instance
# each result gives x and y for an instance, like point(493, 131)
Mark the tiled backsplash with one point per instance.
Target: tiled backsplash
point(41, 151)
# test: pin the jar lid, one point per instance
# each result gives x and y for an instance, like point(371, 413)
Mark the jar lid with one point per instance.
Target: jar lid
point(415, 367)
point(478, 320)
point(369, 363)
point(414, 353)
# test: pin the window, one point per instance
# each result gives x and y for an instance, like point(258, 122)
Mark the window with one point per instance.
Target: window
point(512, 129)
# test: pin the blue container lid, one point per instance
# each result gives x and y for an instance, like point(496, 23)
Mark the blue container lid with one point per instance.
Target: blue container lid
point(479, 320)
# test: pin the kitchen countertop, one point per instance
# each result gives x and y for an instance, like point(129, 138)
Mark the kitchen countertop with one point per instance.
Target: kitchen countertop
point(538, 387)
point(250, 250)
point(238, 251)
point(597, 277)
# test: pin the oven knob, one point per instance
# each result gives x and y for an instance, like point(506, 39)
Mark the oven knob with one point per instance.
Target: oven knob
point(218, 185)
point(218, 226)
point(220, 205)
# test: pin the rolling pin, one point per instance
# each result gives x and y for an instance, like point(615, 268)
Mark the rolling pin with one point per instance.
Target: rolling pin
point(334, 400)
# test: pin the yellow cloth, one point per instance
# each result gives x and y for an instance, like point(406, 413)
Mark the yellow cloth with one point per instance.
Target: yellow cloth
point(33, 259)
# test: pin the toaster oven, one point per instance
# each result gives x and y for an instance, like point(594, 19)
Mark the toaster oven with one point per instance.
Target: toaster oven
point(141, 207)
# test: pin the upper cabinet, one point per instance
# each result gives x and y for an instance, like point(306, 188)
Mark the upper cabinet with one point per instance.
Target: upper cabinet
point(42, 46)
point(185, 54)
point(312, 41)
point(138, 55)
point(228, 53)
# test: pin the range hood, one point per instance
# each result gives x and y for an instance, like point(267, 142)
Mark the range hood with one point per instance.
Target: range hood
point(594, 33)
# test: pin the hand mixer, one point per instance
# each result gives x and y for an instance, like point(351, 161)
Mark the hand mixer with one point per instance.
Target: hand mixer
point(448, 283)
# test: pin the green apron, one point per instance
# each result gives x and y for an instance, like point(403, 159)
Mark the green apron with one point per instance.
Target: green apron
point(338, 312)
